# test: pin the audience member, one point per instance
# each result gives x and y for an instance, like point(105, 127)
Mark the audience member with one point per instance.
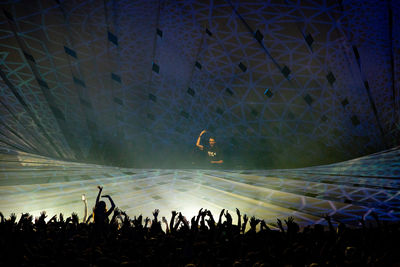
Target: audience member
point(200, 242)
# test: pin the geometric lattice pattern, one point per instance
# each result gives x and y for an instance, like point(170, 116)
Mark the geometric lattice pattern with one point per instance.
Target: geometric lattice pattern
point(346, 191)
point(134, 82)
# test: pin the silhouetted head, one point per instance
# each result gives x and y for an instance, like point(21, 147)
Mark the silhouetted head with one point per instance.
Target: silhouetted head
point(101, 206)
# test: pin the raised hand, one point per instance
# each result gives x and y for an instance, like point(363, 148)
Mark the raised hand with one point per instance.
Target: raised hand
point(228, 218)
point(204, 214)
point(280, 225)
point(220, 216)
point(53, 219)
point(75, 218)
point(239, 219)
point(254, 222)
point(185, 221)
point(291, 225)
point(155, 213)
point(245, 219)
point(13, 217)
point(238, 212)
point(289, 220)
point(146, 221)
point(164, 220)
point(23, 218)
point(171, 222)
point(264, 225)
point(211, 222)
point(137, 222)
point(100, 187)
point(193, 222)
point(222, 212)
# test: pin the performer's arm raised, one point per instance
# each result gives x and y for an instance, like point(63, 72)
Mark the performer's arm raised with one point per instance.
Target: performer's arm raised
point(198, 140)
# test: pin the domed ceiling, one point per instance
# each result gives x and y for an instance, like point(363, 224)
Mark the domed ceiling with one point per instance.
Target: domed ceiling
point(133, 83)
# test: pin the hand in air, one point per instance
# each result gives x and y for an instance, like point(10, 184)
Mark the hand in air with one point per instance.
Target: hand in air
point(155, 213)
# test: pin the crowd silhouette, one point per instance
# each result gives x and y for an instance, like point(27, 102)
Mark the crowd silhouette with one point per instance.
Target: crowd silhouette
point(201, 241)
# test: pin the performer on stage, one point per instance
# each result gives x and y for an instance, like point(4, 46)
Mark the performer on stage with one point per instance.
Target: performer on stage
point(213, 154)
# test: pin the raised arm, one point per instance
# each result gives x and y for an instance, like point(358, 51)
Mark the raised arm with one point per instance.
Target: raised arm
point(164, 220)
point(89, 218)
point(86, 209)
point(99, 194)
point(171, 224)
point(112, 205)
point(239, 219)
point(220, 217)
point(198, 140)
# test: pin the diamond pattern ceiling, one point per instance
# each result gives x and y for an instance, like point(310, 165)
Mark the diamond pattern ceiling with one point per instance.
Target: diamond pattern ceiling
point(278, 83)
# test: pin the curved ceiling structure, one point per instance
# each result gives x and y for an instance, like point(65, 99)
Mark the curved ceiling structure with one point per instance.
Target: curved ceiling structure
point(279, 83)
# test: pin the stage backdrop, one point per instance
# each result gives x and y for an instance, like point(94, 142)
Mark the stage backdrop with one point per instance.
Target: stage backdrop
point(132, 83)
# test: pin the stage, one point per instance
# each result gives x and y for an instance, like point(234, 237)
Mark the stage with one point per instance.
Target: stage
point(346, 191)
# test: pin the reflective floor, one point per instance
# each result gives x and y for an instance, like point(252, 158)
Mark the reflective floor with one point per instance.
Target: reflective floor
point(346, 191)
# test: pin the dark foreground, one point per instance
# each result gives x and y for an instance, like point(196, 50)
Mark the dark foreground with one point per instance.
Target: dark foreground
point(201, 242)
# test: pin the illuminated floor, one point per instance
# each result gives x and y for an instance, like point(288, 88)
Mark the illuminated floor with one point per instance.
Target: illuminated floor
point(346, 191)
